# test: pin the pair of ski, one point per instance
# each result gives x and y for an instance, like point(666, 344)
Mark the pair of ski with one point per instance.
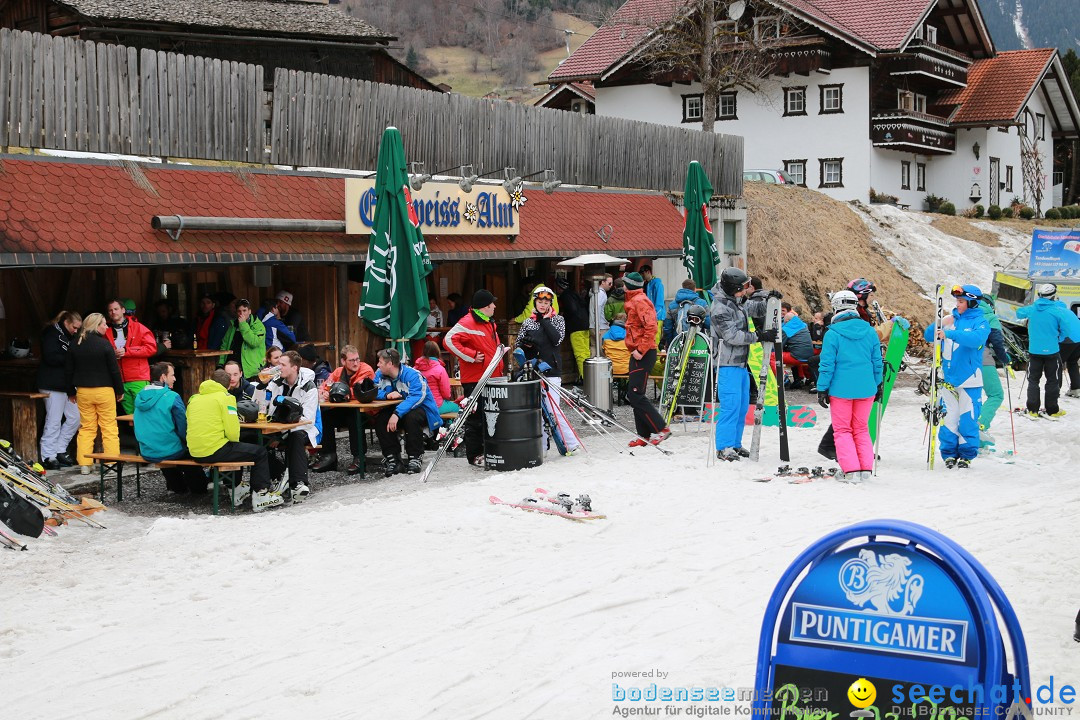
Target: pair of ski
point(561, 504)
point(30, 503)
point(800, 475)
point(773, 321)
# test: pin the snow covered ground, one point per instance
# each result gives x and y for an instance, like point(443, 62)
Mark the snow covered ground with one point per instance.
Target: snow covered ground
point(434, 604)
point(929, 256)
point(396, 600)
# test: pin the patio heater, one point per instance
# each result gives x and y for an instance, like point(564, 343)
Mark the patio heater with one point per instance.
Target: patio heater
point(597, 369)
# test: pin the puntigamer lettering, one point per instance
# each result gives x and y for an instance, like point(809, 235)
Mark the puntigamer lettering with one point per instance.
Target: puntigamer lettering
point(926, 637)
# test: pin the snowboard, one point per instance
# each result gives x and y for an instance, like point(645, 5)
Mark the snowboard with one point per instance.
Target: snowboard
point(546, 508)
point(894, 355)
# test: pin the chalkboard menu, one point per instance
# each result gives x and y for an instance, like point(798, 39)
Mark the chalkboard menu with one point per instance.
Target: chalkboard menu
point(695, 380)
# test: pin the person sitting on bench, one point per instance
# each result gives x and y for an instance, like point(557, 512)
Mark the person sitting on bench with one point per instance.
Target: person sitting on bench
point(416, 411)
point(214, 437)
point(299, 383)
point(161, 429)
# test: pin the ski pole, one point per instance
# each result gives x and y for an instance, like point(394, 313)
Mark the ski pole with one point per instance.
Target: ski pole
point(558, 411)
point(877, 438)
point(1012, 423)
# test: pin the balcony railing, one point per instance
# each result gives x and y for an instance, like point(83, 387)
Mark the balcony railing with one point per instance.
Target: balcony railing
point(932, 61)
point(912, 131)
point(929, 48)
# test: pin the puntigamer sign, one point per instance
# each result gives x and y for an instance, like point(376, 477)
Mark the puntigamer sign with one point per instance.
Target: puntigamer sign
point(442, 208)
point(890, 605)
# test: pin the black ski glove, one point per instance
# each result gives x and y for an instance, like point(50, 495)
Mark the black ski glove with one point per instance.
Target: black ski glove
point(823, 399)
point(880, 392)
point(767, 335)
point(776, 294)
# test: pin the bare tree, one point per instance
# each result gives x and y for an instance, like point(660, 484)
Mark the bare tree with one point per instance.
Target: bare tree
point(722, 45)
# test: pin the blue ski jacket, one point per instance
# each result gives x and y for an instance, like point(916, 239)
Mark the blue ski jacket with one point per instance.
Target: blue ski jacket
point(850, 358)
point(1049, 322)
point(160, 423)
point(413, 388)
point(797, 339)
point(961, 351)
point(670, 322)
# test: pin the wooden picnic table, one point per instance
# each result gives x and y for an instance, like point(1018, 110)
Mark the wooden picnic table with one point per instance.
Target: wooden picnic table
point(360, 414)
point(265, 427)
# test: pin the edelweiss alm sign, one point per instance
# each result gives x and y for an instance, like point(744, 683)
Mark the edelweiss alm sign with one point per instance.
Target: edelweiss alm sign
point(441, 208)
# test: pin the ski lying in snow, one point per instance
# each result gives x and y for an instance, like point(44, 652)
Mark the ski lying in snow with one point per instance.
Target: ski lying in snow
point(580, 505)
point(800, 475)
point(532, 504)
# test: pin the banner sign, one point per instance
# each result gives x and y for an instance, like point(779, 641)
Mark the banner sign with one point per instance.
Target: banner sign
point(1055, 255)
point(863, 630)
point(442, 208)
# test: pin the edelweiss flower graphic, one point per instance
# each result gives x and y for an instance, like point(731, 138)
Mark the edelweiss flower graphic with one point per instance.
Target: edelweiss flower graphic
point(470, 213)
point(517, 199)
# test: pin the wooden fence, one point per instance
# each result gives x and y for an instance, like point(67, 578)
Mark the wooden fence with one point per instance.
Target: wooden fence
point(325, 121)
point(70, 94)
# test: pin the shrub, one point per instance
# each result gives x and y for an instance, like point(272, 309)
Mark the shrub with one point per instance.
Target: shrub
point(1066, 212)
point(1027, 213)
point(994, 212)
point(947, 208)
point(933, 202)
point(1007, 212)
point(1053, 214)
point(979, 211)
point(876, 197)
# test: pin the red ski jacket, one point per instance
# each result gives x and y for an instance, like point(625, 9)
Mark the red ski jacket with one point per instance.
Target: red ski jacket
point(467, 339)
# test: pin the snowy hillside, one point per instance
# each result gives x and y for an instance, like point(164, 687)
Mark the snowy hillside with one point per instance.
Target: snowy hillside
point(389, 599)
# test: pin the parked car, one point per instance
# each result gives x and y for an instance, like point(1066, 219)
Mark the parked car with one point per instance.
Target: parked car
point(773, 177)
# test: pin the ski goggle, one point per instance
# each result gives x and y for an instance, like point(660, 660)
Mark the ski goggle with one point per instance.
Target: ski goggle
point(960, 292)
point(545, 296)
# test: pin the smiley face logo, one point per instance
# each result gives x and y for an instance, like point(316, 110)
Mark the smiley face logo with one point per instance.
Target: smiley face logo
point(862, 693)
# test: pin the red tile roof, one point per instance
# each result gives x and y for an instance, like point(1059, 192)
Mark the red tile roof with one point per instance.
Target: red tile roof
point(71, 213)
point(998, 87)
point(614, 39)
point(876, 25)
point(880, 24)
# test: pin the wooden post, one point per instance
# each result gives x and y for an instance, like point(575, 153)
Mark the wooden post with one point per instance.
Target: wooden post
point(343, 315)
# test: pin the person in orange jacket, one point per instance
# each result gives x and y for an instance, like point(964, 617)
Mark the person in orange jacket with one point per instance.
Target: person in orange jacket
point(641, 340)
point(134, 345)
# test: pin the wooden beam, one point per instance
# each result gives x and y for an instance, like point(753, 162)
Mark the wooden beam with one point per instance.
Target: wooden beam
point(342, 307)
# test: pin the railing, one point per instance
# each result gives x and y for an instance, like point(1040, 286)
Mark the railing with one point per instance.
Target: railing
point(909, 130)
point(918, 45)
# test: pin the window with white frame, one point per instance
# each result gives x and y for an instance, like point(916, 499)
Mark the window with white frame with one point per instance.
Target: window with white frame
point(731, 237)
point(794, 101)
point(796, 169)
point(920, 176)
point(832, 99)
point(832, 172)
point(692, 108)
point(1008, 178)
point(766, 27)
point(920, 103)
point(930, 34)
point(905, 175)
point(1040, 126)
point(727, 108)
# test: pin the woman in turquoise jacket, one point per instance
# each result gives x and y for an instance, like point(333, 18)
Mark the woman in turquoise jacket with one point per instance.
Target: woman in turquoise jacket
point(849, 378)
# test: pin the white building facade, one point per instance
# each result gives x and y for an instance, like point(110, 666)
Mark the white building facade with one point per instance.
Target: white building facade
point(923, 107)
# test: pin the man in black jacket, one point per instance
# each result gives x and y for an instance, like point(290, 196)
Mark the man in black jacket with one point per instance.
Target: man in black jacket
point(540, 337)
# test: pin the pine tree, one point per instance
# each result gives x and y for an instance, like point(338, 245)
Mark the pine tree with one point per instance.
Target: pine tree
point(412, 58)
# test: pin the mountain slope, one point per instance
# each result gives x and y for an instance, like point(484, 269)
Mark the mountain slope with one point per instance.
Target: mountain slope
point(1016, 24)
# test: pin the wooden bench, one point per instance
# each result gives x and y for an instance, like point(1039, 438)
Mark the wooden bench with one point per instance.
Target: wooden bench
point(23, 411)
point(115, 465)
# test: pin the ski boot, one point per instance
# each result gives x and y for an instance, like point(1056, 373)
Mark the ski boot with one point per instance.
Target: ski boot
point(391, 465)
point(415, 465)
point(963, 463)
point(729, 454)
point(743, 452)
point(950, 463)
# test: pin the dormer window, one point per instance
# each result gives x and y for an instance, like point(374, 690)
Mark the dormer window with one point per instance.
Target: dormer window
point(930, 34)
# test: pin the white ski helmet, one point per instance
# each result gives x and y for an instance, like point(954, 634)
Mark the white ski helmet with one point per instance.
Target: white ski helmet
point(1048, 290)
point(843, 300)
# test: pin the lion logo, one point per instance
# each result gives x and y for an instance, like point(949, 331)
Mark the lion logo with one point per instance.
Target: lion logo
point(881, 581)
